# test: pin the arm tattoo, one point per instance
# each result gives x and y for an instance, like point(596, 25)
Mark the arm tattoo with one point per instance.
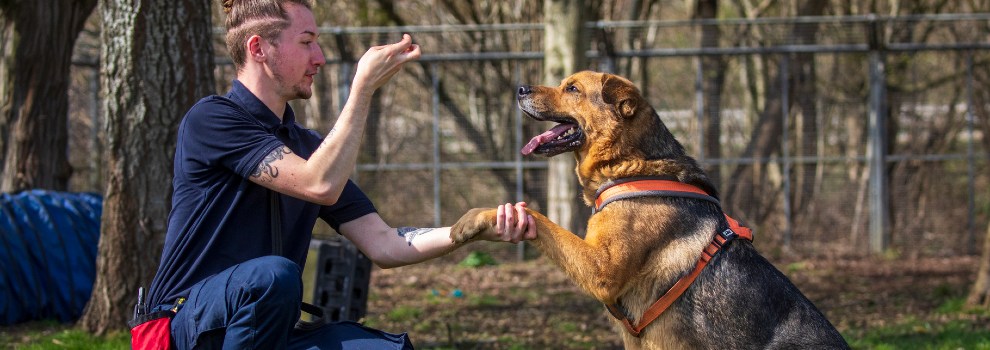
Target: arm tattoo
point(411, 232)
point(327, 139)
point(266, 167)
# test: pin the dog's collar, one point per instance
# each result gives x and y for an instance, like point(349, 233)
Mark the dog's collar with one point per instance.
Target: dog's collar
point(651, 186)
point(728, 230)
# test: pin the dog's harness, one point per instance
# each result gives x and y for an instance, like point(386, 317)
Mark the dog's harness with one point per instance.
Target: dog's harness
point(666, 187)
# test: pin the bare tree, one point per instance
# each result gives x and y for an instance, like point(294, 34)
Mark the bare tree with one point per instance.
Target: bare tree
point(36, 40)
point(979, 293)
point(563, 55)
point(804, 89)
point(468, 92)
point(713, 73)
point(749, 193)
point(156, 61)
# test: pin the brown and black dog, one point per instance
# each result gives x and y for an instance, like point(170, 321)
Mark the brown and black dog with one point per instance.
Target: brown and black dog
point(638, 247)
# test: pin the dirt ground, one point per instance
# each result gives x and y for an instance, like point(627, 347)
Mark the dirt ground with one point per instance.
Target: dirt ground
point(532, 304)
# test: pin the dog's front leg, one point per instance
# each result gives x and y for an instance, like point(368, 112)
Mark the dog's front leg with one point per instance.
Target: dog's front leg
point(599, 267)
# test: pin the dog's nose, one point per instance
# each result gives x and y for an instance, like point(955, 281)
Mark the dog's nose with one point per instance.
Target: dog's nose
point(525, 90)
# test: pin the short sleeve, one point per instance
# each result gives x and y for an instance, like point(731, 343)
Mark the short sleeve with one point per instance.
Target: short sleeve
point(352, 204)
point(217, 132)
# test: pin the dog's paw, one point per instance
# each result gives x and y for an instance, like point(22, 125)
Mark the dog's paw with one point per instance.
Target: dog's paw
point(472, 223)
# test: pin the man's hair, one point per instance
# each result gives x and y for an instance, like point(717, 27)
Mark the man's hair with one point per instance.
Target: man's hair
point(265, 18)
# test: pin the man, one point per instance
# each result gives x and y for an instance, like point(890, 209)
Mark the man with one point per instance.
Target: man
point(250, 182)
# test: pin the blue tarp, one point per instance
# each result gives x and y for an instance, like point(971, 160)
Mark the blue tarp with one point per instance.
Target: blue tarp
point(47, 254)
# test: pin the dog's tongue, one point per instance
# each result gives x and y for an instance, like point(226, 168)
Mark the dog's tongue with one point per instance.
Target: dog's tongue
point(544, 137)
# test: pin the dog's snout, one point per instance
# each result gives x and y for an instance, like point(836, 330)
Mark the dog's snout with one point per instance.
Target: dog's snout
point(525, 90)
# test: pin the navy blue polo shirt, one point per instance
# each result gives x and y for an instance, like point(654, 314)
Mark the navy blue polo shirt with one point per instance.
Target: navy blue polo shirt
point(219, 217)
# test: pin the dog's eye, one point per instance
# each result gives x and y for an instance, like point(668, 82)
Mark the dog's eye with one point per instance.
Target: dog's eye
point(571, 88)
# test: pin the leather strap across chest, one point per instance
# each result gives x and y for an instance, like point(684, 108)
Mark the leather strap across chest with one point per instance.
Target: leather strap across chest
point(665, 187)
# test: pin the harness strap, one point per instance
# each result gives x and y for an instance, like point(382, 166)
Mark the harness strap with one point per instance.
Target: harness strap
point(670, 188)
point(647, 187)
point(276, 214)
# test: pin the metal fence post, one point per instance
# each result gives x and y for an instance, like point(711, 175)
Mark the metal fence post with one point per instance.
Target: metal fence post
point(785, 111)
point(518, 140)
point(699, 101)
point(435, 78)
point(877, 153)
point(970, 158)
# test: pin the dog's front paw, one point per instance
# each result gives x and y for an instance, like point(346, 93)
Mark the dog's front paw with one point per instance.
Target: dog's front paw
point(474, 222)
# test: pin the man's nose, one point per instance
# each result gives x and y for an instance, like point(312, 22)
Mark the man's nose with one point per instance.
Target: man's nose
point(319, 58)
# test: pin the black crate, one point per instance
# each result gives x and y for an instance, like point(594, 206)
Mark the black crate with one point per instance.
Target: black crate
point(342, 279)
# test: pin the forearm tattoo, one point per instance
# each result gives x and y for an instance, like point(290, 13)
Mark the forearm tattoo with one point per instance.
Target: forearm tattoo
point(411, 232)
point(326, 140)
point(266, 167)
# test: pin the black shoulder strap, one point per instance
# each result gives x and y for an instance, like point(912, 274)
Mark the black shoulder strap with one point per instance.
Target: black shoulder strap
point(276, 224)
point(319, 316)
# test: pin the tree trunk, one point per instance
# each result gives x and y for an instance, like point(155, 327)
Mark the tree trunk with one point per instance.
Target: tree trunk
point(749, 193)
point(37, 39)
point(564, 47)
point(156, 61)
point(804, 81)
point(979, 295)
point(713, 78)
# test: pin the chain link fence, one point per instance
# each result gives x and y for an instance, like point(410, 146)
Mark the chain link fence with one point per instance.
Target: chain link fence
point(829, 135)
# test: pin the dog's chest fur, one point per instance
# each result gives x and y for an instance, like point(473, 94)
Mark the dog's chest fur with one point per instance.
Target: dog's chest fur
point(676, 247)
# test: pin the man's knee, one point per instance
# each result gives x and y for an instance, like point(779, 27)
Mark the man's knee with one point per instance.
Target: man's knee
point(273, 275)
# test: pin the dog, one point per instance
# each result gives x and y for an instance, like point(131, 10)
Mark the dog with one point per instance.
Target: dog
point(644, 242)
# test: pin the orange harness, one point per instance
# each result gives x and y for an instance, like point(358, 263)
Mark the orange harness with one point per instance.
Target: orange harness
point(641, 187)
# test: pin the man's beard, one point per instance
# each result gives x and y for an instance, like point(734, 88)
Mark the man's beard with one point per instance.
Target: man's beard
point(292, 92)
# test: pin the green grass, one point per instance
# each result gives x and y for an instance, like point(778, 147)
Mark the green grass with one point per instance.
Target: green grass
point(962, 329)
point(44, 335)
point(953, 335)
point(478, 259)
point(404, 313)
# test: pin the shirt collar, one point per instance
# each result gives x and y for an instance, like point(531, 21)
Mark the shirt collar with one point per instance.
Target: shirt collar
point(258, 109)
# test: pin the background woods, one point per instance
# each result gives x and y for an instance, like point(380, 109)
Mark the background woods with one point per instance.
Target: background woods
point(835, 128)
point(36, 40)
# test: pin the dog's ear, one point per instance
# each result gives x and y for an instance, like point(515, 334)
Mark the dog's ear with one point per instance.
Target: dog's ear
point(622, 94)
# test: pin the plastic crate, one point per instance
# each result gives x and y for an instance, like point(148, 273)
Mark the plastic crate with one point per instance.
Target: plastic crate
point(341, 279)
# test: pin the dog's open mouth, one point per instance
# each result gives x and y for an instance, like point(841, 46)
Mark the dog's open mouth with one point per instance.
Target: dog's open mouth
point(563, 137)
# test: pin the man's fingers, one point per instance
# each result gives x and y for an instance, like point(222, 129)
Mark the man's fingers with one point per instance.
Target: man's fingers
point(512, 220)
point(510, 216)
point(399, 47)
point(530, 232)
point(500, 220)
point(521, 214)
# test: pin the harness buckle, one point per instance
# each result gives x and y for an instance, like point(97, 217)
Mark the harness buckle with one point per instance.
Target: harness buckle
point(728, 234)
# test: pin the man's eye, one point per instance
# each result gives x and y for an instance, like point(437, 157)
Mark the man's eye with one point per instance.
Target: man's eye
point(571, 88)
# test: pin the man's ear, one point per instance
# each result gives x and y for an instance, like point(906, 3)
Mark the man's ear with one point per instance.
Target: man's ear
point(255, 46)
point(620, 93)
